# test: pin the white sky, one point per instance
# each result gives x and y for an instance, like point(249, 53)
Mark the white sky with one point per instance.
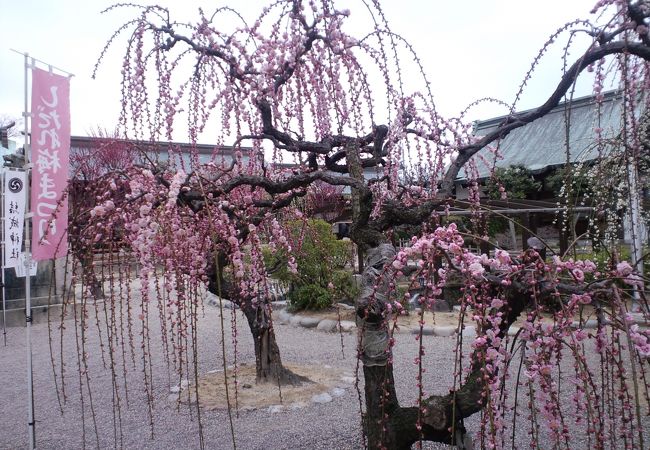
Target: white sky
point(470, 48)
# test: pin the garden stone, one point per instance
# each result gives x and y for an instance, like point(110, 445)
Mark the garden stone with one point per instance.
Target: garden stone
point(295, 321)
point(284, 316)
point(327, 325)
point(590, 324)
point(638, 318)
point(273, 409)
point(322, 398)
point(426, 331)
point(347, 325)
point(469, 331)
point(309, 322)
point(349, 380)
point(443, 331)
point(337, 392)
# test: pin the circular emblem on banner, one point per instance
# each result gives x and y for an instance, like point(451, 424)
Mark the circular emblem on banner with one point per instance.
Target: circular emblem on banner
point(15, 185)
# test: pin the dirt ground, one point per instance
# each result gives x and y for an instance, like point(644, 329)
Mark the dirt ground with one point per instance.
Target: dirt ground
point(251, 395)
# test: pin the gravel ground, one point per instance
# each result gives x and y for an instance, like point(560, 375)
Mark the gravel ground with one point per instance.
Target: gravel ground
point(334, 425)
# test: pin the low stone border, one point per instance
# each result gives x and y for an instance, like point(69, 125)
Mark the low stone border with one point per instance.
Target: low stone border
point(331, 326)
point(323, 397)
point(321, 324)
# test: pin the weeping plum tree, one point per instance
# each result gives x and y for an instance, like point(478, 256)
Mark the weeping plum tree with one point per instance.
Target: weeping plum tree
point(297, 87)
point(92, 167)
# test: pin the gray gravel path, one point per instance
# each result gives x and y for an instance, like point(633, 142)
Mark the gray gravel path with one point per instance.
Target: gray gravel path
point(334, 425)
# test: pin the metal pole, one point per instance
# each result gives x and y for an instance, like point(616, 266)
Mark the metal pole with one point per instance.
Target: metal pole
point(4, 257)
point(28, 263)
point(635, 229)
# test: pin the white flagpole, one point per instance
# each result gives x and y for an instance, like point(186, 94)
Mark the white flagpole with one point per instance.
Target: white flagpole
point(4, 257)
point(28, 263)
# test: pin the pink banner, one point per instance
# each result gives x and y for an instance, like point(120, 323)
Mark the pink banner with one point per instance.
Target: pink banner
point(50, 143)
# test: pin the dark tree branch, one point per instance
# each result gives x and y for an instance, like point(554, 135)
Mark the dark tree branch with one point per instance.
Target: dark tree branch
point(511, 123)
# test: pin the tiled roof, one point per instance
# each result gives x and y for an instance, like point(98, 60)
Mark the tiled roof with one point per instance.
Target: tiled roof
point(542, 144)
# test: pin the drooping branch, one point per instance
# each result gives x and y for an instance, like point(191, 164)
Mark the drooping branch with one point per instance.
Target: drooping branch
point(511, 123)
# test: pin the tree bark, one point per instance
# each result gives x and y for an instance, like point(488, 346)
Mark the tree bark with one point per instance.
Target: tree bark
point(268, 363)
point(89, 277)
point(387, 425)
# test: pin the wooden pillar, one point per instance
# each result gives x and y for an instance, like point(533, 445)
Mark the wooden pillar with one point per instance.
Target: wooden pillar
point(534, 221)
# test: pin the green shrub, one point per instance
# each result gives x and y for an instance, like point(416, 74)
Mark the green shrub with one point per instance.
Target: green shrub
point(321, 261)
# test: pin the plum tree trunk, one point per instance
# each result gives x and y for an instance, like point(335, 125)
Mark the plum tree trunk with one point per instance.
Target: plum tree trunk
point(89, 277)
point(387, 425)
point(268, 363)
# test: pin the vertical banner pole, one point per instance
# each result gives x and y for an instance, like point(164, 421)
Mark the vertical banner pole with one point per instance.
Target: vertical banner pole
point(28, 258)
point(4, 250)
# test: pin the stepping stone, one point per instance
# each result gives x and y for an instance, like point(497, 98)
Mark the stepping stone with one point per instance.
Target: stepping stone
point(322, 398)
point(327, 325)
point(309, 322)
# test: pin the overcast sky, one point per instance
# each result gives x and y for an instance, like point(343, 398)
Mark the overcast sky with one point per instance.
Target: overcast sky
point(470, 48)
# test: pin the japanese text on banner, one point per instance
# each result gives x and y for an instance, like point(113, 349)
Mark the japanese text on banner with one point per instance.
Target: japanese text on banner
point(50, 155)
